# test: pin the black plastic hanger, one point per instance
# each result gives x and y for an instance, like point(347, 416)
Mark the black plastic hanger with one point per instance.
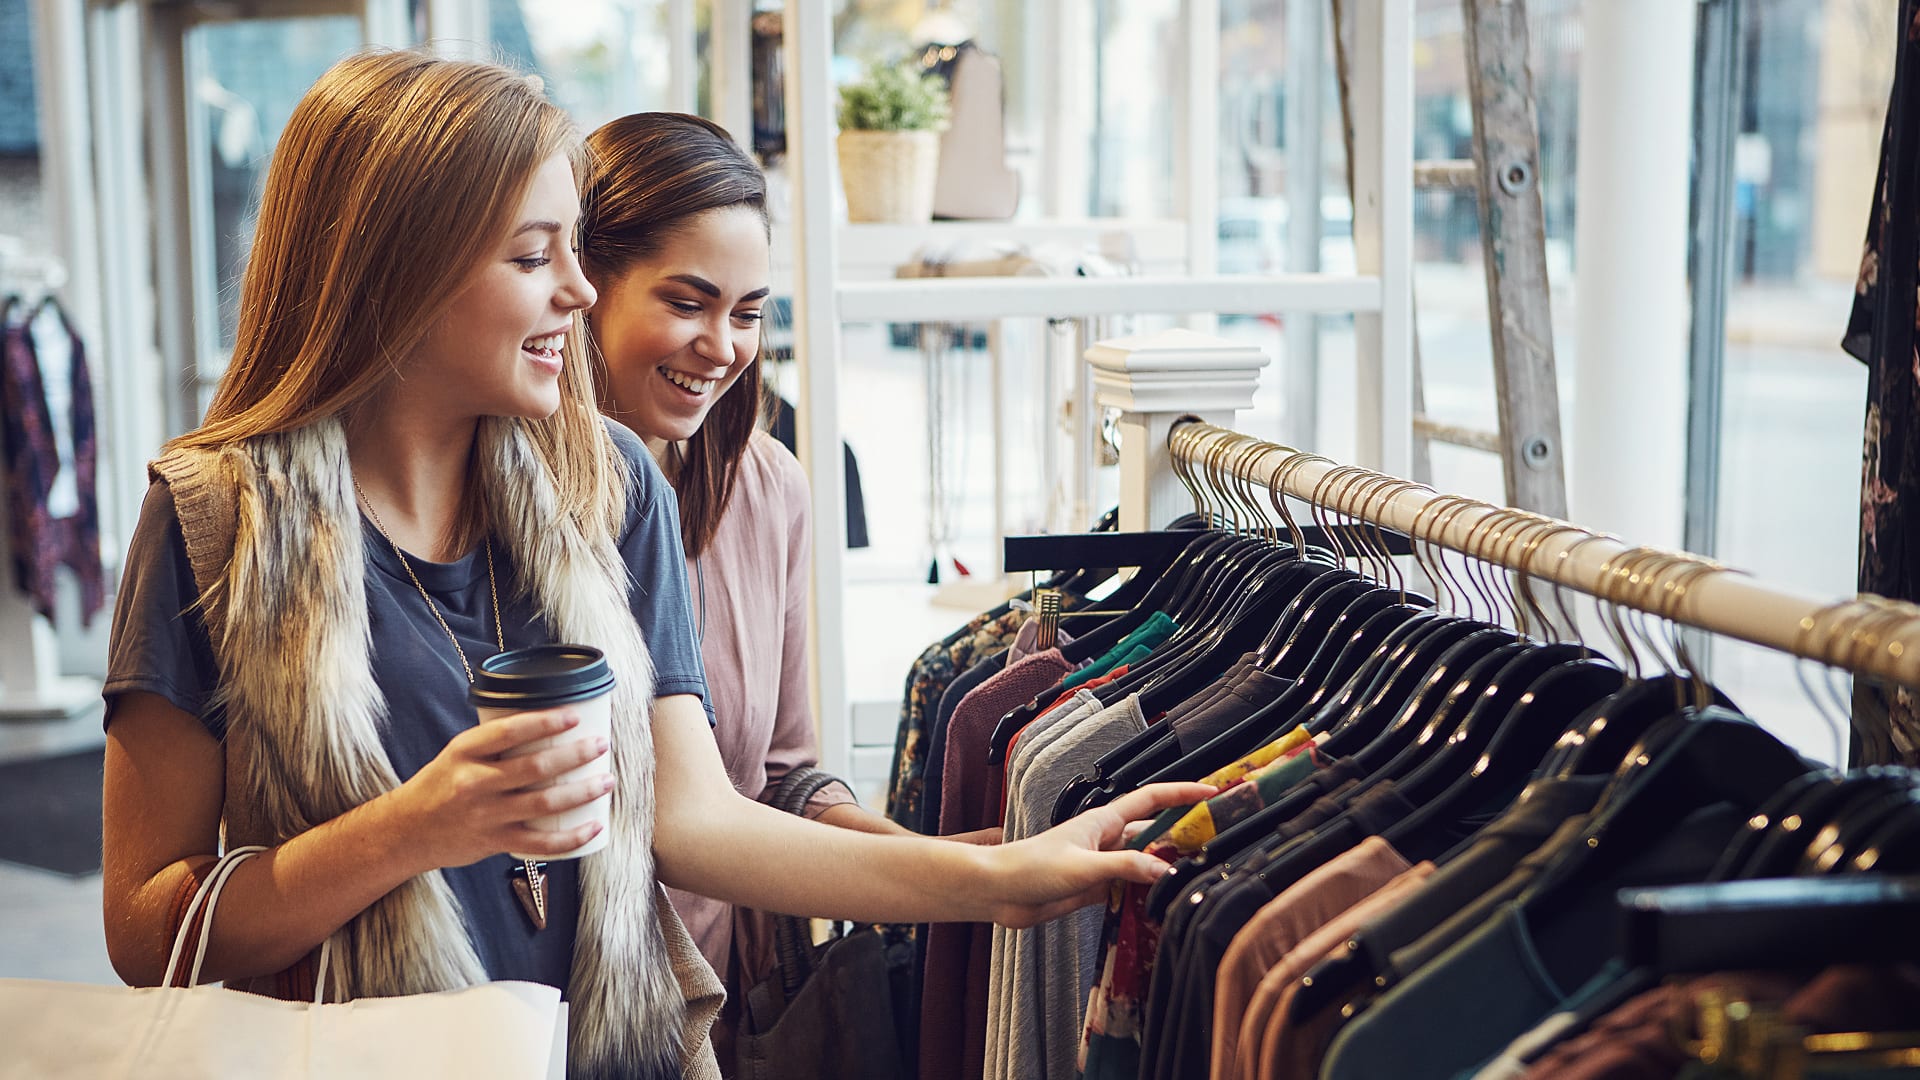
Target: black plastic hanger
point(1792, 818)
point(1764, 819)
point(1184, 675)
point(1620, 721)
point(1393, 694)
point(1689, 761)
point(1135, 589)
point(1420, 718)
point(1194, 562)
point(1488, 763)
point(1198, 653)
point(1383, 708)
point(1345, 666)
point(1291, 644)
point(1157, 594)
point(1158, 759)
point(1894, 849)
point(1343, 653)
point(1456, 696)
point(1499, 677)
point(1851, 830)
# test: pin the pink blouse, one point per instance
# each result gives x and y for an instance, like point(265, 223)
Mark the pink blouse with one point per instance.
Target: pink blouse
point(750, 611)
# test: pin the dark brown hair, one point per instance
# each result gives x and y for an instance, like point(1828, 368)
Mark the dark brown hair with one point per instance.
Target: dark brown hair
point(650, 173)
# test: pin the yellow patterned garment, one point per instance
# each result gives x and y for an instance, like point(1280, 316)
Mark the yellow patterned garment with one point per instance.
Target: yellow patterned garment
point(1189, 827)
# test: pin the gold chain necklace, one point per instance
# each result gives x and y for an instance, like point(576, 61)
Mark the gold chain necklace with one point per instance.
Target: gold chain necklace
point(528, 880)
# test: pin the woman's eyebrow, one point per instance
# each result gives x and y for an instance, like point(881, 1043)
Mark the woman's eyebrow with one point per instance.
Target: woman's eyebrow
point(712, 291)
point(696, 282)
point(537, 226)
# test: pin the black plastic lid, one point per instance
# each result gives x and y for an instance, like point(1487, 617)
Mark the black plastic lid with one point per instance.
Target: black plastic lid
point(540, 677)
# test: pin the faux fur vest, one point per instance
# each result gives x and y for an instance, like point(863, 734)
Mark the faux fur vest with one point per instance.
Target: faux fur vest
point(274, 536)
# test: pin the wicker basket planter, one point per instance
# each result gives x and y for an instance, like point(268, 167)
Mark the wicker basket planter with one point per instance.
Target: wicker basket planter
point(889, 175)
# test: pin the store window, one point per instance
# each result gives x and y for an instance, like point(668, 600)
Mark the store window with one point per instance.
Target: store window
point(1138, 73)
point(21, 206)
point(1817, 74)
point(601, 59)
point(244, 79)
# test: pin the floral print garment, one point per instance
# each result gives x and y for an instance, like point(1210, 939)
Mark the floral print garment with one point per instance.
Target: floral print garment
point(1882, 334)
point(1110, 1040)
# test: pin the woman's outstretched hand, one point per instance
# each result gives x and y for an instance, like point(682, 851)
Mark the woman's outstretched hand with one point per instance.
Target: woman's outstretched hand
point(1070, 865)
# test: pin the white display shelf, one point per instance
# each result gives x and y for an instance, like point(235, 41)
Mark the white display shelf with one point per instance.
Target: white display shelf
point(961, 299)
point(870, 251)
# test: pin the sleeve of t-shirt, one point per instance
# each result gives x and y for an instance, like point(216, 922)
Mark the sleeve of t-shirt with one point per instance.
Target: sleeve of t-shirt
point(158, 643)
point(661, 602)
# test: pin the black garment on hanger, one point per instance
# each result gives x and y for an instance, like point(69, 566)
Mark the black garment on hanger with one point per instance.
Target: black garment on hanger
point(784, 428)
point(1882, 334)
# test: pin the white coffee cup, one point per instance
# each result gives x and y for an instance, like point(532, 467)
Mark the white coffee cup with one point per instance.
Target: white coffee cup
point(548, 677)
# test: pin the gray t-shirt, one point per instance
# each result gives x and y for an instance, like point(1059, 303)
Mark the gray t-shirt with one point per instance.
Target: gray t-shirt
point(160, 645)
point(1041, 975)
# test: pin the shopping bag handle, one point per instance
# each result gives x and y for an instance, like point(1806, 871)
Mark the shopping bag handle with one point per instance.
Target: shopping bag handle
point(209, 896)
point(792, 936)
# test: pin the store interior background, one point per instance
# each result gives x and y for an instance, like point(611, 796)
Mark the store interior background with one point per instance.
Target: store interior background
point(1809, 123)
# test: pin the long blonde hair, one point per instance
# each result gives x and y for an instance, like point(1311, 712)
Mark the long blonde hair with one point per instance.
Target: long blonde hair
point(397, 174)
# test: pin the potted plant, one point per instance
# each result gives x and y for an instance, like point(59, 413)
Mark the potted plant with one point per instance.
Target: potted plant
point(890, 124)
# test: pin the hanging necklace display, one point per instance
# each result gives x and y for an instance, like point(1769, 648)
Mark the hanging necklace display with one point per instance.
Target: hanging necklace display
point(528, 877)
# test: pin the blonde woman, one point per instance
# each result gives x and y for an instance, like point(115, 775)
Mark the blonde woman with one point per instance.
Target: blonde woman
point(402, 473)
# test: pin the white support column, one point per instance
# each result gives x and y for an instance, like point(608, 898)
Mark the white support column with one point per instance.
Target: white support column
point(1067, 107)
point(163, 62)
point(1155, 380)
point(31, 686)
point(1631, 313)
point(128, 375)
point(1383, 230)
point(387, 23)
point(730, 67)
point(1306, 29)
point(458, 28)
point(808, 46)
point(1197, 150)
point(682, 58)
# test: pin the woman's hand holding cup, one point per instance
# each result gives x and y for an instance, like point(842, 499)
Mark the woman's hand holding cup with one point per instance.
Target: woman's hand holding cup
point(534, 778)
point(486, 790)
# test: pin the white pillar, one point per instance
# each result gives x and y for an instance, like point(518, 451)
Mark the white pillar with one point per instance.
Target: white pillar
point(730, 68)
point(1155, 380)
point(682, 45)
point(1382, 107)
point(808, 45)
point(458, 28)
point(1196, 162)
point(1628, 455)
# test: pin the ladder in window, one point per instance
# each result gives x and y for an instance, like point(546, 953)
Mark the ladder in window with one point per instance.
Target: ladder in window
point(1504, 173)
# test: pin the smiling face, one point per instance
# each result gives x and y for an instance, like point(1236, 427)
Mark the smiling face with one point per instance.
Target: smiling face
point(678, 329)
point(496, 349)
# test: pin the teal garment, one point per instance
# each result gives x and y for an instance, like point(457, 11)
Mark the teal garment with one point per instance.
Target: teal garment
point(1559, 1025)
point(1139, 653)
point(1490, 986)
point(1109, 1058)
point(1148, 635)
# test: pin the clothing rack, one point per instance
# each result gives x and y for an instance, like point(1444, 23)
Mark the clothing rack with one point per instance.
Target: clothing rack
point(1866, 635)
